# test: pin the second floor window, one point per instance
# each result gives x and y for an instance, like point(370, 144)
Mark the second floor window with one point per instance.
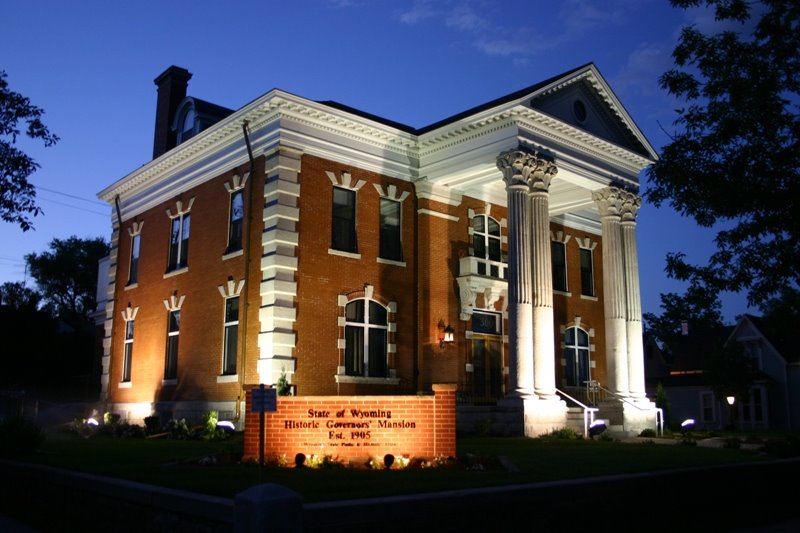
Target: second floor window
point(366, 338)
point(173, 331)
point(391, 246)
point(343, 230)
point(587, 273)
point(133, 271)
point(230, 336)
point(559, 254)
point(486, 238)
point(179, 242)
point(236, 221)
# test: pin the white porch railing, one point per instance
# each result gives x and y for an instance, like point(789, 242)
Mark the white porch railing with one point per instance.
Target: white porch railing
point(588, 412)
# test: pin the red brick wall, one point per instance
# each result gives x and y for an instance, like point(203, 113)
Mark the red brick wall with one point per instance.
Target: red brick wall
point(322, 276)
point(200, 344)
point(306, 424)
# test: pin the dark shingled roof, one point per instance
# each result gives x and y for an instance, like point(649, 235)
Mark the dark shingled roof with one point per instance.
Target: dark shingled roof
point(488, 105)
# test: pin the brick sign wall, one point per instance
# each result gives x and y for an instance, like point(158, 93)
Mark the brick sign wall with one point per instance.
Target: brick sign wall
point(356, 427)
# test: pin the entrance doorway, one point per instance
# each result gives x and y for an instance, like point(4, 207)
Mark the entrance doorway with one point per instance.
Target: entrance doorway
point(487, 367)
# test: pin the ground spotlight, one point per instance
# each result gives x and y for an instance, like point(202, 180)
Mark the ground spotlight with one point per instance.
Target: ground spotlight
point(227, 425)
point(596, 428)
point(687, 424)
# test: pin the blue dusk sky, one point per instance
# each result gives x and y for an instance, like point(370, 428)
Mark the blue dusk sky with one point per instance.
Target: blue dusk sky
point(90, 65)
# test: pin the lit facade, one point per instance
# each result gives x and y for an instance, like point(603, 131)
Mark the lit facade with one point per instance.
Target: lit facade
point(313, 243)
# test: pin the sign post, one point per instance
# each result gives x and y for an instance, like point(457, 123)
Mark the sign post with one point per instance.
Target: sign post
point(264, 400)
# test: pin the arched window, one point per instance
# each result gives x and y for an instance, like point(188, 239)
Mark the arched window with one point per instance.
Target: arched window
point(486, 237)
point(576, 354)
point(186, 127)
point(366, 337)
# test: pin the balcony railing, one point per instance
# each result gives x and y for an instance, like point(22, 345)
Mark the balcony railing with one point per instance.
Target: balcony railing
point(478, 266)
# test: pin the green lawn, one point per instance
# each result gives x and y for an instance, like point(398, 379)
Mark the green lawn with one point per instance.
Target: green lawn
point(174, 463)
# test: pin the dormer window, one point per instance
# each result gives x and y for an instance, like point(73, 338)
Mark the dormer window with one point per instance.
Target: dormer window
point(186, 123)
point(194, 116)
point(186, 131)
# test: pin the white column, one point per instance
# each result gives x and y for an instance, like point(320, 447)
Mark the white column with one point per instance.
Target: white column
point(544, 371)
point(608, 202)
point(515, 166)
point(629, 207)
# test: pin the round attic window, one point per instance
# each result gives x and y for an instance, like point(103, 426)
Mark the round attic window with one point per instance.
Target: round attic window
point(579, 109)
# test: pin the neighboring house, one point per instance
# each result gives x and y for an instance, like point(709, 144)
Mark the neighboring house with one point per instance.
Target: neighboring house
point(351, 255)
point(774, 399)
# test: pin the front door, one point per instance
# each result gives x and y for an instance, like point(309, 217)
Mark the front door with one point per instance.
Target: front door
point(487, 367)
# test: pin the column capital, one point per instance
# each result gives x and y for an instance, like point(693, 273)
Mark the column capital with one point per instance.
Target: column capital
point(609, 201)
point(525, 168)
point(629, 206)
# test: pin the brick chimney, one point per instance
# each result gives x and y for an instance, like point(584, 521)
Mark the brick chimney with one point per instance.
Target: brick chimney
point(172, 84)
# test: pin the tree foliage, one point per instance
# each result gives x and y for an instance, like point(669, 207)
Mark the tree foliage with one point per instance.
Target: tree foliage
point(734, 160)
point(16, 295)
point(17, 194)
point(67, 275)
point(729, 372)
point(699, 307)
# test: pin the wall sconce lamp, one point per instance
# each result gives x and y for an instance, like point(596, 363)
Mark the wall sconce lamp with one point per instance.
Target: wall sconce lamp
point(445, 334)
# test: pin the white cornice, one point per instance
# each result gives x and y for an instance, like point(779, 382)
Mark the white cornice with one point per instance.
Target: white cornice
point(282, 119)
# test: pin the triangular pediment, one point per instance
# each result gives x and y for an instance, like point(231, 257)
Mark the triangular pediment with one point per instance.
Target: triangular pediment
point(583, 99)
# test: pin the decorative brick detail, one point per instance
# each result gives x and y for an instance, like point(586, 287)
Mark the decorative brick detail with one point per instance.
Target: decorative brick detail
point(356, 427)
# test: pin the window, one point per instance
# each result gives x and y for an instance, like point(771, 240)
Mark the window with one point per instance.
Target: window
point(752, 350)
point(179, 242)
point(230, 336)
point(558, 251)
point(486, 244)
point(587, 273)
point(343, 234)
point(366, 336)
point(171, 359)
point(133, 271)
point(576, 354)
point(391, 246)
point(127, 354)
point(707, 406)
point(186, 128)
point(236, 221)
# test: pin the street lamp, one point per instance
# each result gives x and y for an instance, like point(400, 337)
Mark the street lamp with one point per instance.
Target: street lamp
point(731, 400)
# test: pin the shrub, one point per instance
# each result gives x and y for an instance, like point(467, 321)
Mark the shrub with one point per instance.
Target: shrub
point(19, 436)
point(152, 424)
point(178, 429)
point(563, 434)
point(283, 387)
point(210, 430)
point(648, 433)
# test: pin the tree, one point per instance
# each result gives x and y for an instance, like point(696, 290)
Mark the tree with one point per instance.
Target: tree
point(16, 295)
point(67, 276)
point(729, 372)
point(698, 307)
point(735, 158)
point(17, 194)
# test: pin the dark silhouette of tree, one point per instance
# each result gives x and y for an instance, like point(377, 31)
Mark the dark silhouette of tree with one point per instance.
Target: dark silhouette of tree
point(734, 159)
point(17, 194)
point(698, 307)
point(16, 295)
point(67, 276)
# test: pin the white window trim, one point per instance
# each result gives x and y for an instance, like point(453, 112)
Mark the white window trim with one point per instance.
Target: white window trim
point(180, 212)
point(341, 344)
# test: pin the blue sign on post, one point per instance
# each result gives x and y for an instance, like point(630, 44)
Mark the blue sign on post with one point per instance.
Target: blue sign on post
point(265, 400)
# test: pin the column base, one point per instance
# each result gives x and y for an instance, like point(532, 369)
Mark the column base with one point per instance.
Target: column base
point(543, 416)
point(639, 414)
